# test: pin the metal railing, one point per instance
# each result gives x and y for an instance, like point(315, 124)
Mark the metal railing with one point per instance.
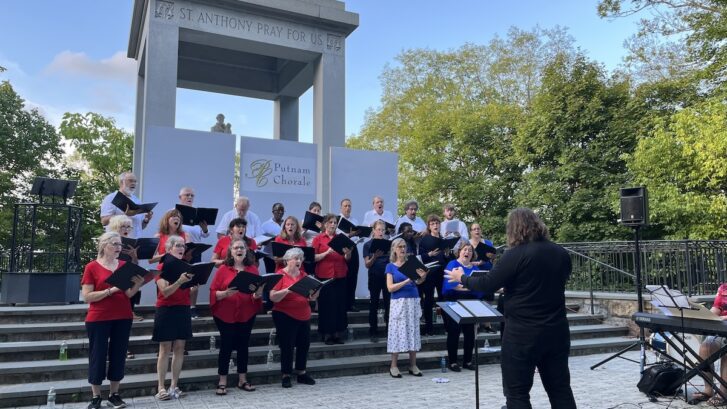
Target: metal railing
point(692, 267)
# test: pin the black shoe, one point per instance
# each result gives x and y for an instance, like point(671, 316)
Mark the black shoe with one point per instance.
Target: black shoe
point(193, 313)
point(337, 340)
point(286, 382)
point(374, 338)
point(115, 401)
point(95, 403)
point(354, 309)
point(469, 365)
point(330, 341)
point(306, 379)
point(490, 330)
point(454, 368)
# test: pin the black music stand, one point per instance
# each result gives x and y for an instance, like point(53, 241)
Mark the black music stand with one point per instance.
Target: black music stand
point(472, 312)
point(43, 186)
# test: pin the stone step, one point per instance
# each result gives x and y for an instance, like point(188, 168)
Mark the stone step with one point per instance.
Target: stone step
point(42, 331)
point(145, 360)
point(77, 390)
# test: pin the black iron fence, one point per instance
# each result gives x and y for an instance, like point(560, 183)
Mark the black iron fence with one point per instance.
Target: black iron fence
point(692, 267)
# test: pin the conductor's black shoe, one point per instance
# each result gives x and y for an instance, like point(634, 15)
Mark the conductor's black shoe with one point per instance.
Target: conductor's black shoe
point(469, 365)
point(306, 379)
point(454, 368)
point(286, 382)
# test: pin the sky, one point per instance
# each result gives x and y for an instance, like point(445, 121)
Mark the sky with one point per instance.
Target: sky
point(70, 55)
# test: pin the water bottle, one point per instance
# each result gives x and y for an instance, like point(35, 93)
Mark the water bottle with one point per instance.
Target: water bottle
point(271, 339)
point(443, 363)
point(212, 343)
point(269, 361)
point(232, 363)
point(51, 403)
point(63, 352)
point(350, 334)
point(380, 317)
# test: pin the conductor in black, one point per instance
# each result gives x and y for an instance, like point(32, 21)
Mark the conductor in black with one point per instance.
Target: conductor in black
point(533, 273)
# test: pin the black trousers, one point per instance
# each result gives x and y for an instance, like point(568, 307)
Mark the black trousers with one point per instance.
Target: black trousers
point(332, 316)
point(377, 287)
point(546, 350)
point(292, 334)
point(107, 339)
point(233, 336)
point(352, 278)
point(426, 292)
point(453, 331)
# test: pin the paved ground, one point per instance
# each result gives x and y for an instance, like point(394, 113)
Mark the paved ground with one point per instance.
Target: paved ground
point(613, 385)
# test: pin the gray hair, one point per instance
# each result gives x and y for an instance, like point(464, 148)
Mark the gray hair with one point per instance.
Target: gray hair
point(115, 222)
point(123, 176)
point(104, 241)
point(410, 203)
point(171, 241)
point(295, 252)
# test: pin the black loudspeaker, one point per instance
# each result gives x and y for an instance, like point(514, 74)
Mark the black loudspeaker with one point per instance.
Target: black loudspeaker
point(634, 206)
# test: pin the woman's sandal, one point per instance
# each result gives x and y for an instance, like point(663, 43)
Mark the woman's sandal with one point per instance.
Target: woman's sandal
point(221, 390)
point(246, 386)
point(163, 395)
point(699, 397)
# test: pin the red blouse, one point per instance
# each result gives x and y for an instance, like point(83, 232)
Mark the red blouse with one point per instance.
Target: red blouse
point(162, 246)
point(331, 266)
point(293, 304)
point(240, 307)
point(114, 307)
point(179, 297)
point(223, 244)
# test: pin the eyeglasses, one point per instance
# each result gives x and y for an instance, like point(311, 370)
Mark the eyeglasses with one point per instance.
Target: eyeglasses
point(239, 248)
point(179, 245)
point(126, 227)
point(402, 246)
point(116, 244)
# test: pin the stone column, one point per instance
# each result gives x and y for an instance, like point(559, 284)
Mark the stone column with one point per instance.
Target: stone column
point(158, 87)
point(329, 122)
point(285, 120)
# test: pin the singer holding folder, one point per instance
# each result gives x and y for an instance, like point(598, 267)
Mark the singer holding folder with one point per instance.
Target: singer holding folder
point(172, 322)
point(403, 333)
point(430, 251)
point(290, 234)
point(291, 315)
point(108, 321)
point(376, 262)
point(332, 318)
point(234, 314)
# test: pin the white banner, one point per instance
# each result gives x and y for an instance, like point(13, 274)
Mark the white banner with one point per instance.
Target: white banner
point(277, 174)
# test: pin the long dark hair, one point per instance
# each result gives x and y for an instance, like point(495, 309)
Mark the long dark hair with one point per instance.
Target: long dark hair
point(524, 226)
point(230, 260)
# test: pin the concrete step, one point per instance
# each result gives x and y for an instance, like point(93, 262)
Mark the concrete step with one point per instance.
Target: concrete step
point(144, 384)
point(146, 354)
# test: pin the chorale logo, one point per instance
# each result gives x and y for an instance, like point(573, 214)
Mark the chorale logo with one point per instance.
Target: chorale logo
point(260, 170)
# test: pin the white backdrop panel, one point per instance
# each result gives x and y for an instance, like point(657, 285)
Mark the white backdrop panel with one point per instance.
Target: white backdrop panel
point(277, 171)
point(359, 176)
point(174, 158)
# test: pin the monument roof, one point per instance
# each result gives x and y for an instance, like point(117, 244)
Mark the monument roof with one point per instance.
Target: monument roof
point(330, 14)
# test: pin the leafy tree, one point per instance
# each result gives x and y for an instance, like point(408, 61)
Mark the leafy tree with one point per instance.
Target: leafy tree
point(451, 116)
point(683, 162)
point(681, 38)
point(571, 143)
point(29, 147)
point(101, 151)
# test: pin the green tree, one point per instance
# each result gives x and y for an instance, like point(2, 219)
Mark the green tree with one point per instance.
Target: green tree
point(679, 38)
point(683, 163)
point(451, 116)
point(100, 152)
point(579, 125)
point(29, 147)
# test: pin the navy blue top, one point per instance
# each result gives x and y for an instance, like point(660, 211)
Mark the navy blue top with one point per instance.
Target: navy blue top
point(407, 291)
point(379, 265)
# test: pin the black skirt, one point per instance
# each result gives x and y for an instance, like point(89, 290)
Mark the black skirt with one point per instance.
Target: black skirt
point(172, 323)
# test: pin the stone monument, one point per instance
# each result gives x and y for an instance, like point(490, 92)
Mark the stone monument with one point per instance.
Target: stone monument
point(220, 126)
point(267, 49)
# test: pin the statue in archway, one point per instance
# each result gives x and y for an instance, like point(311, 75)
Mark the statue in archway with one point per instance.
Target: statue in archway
point(221, 126)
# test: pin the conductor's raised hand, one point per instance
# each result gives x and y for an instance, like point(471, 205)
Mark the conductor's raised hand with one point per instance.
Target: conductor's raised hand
point(455, 276)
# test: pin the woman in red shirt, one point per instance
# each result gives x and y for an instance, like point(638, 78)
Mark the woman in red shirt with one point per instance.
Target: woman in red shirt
point(290, 234)
point(237, 230)
point(332, 318)
point(234, 313)
point(291, 315)
point(169, 225)
point(172, 322)
point(108, 321)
